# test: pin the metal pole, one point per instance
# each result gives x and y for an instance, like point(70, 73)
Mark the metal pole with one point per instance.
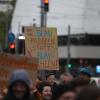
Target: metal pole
point(17, 40)
point(43, 16)
point(45, 19)
point(43, 25)
point(68, 47)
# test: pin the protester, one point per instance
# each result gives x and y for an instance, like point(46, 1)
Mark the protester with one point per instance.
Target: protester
point(18, 86)
point(65, 78)
point(79, 83)
point(45, 91)
point(89, 93)
point(50, 79)
point(64, 92)
point(38, 81)
point(86, 73)
point(5, 91)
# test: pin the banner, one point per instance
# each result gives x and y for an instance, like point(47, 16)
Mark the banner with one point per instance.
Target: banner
point(9, 63)
point(42, 44)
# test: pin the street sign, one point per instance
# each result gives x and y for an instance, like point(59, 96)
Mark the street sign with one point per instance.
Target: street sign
point(11, 37)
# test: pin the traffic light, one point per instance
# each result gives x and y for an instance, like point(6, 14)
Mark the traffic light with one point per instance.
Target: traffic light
point(69, 66)
point(12, 48)
point(11, 43)
point(46, 5)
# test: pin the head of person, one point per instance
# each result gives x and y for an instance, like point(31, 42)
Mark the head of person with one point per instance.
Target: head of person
point(64, 92)
point(46, 91)
point(79, 83)
point(66, 78)
point(89, 93)
point(19, 85)
point(38, 81)
point(5, 91)
point(50, 78)
point(86, 73)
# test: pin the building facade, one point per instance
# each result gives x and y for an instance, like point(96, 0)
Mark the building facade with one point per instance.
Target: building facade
point(5, 5)
point(84, 50)
point(82, 15)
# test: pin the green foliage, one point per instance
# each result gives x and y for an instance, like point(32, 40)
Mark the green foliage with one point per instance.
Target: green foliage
point(5, 21)
point(13, 3)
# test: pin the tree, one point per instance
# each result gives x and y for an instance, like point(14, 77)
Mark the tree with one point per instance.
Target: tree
point(5, 21)
point(13, 3)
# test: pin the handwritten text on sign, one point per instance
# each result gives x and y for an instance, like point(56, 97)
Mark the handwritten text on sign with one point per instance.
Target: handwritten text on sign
point(43, 45)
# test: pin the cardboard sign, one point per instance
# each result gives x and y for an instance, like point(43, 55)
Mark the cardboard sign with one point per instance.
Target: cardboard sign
point(42, 44)
point(9, 63)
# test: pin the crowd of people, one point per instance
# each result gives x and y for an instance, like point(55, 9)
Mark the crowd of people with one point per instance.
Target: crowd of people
point(67, 88)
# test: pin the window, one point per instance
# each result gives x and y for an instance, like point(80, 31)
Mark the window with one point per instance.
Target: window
point(4, 1)
point(82, 39)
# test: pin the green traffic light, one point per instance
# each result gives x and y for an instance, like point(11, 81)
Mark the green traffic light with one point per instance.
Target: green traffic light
point(69, 65)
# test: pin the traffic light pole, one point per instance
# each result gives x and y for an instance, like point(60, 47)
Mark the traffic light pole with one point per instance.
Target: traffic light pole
point(68, 47)
point(43, 25)
point(43, 15)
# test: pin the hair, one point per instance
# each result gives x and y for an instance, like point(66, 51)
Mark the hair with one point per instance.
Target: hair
point(42, 85)
point(79, 82)
point(49, 75)
point(89, 93)
point(39, 78)
point(65, 74)
point(60, 90)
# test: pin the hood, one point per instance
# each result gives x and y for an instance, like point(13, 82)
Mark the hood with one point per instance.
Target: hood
point(19, 75)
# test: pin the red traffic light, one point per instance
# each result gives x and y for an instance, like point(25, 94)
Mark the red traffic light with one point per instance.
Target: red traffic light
point(45, 1)
point(12, 46)
point(46, 5)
